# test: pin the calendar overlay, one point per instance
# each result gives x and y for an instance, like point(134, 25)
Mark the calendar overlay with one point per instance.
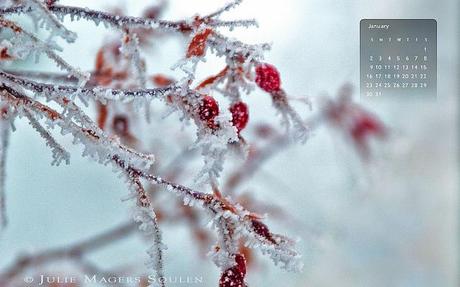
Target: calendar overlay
point(398, 58)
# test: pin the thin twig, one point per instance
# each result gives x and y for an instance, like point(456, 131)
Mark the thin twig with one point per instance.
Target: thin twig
point(118, 21)
point(94, 93)
point(75, 250)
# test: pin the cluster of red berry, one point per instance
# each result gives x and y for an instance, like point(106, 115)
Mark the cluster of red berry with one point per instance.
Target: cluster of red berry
point(209, 110)
point(267, 78)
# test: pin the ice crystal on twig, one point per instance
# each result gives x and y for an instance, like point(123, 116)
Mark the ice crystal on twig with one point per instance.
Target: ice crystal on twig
point(59, 154)
point(97, 93)
point(37, 46)
point(130, 48)
point(145, 215)
point(44, 18)
point(227, 7)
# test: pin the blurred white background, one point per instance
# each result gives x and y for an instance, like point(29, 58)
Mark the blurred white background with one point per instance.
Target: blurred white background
point(392, 224)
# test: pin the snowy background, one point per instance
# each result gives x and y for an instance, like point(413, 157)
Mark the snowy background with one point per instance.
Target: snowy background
point(391, 224)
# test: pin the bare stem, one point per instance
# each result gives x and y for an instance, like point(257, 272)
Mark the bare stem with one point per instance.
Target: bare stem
point(122, 22)
point(94, 93)
point(73, 251)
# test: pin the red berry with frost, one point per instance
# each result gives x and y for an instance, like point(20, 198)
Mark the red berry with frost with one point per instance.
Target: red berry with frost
point(232, 277)
point(268, 78)
point(240, 115)
point(208, 110)
point(241, 263)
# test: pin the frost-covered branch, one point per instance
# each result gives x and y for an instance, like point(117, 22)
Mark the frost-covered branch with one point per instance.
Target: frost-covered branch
point(121, 89)
point(40, 12)
point(97, 93)
point(230, 5)
point(130, 48)
point(39, 46)
point(146, 217)
point(254, 232)
point(123, 22)
point(97, 145)
point(59, 153)
point(217, 206)
point(44, 76)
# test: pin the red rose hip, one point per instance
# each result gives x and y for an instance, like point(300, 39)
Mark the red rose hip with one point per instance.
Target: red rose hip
point(208, 110)
point(232, 277)
point(240, 115)
point(268, 78)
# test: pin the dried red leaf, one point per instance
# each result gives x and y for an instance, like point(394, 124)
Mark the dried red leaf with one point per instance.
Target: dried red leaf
point(4, 112)
point(211, 80)
point(99, 60)
point(4, 54)
point(162, 80)
point(102, 113)
point(197, 46)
